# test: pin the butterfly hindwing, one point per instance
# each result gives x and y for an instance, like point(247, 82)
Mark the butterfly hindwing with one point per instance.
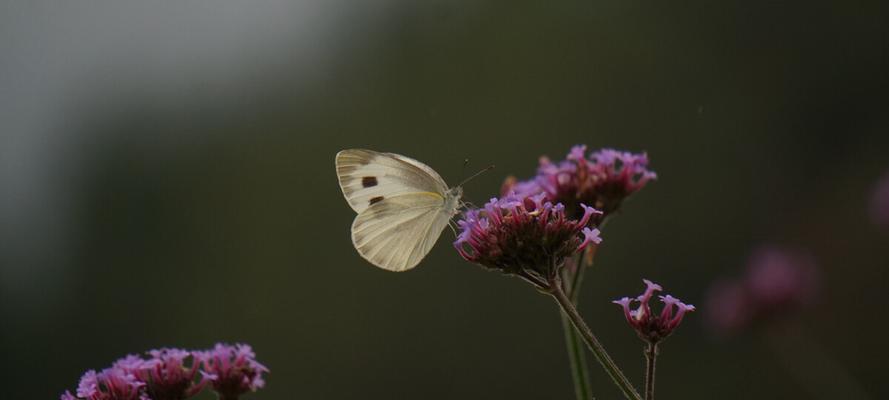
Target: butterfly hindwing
point(367, 177)
point(397, 232)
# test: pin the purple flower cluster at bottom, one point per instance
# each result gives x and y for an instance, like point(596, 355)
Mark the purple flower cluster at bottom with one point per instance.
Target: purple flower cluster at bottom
point(164, 375)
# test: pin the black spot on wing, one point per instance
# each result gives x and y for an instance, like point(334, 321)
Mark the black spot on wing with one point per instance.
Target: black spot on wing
point(369, 181)
point(375, 200)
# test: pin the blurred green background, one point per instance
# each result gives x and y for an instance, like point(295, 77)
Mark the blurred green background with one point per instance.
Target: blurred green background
point(167, 180)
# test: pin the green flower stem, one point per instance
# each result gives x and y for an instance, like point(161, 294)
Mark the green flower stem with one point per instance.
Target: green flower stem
point(576, 353)
point(651, 359)
point(577, 279)
point(577, 360)
point(556, 291)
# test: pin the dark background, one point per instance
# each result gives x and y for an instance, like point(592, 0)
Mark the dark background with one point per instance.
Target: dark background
point(167, 180)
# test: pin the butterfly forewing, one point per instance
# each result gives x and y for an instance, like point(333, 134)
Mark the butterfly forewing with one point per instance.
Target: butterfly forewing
point(397, 232)
point(367, 177)
point(402, 205)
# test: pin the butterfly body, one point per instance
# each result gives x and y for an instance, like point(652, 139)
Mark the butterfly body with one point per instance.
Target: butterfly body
point(403, 206)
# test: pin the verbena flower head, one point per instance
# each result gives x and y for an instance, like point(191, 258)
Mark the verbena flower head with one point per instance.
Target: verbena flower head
point(777, 282)
point(232, 370)
point(110, 384)
point(603, 180)
point(650, 326)
point(167, 377)
point(780, 278)
point(524, 236)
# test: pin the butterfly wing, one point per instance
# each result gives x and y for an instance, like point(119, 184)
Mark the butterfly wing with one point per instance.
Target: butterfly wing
point(397, 232)
point(367, 177)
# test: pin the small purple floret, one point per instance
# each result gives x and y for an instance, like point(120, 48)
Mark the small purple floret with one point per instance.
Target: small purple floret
point(590, 236)
point(650, 327)
point(131, 363)
point(88, 385)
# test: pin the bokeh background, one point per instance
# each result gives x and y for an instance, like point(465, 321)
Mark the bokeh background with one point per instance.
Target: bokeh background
point(167, 179)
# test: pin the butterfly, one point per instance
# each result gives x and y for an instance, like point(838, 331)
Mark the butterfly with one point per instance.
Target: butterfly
point(402, 205)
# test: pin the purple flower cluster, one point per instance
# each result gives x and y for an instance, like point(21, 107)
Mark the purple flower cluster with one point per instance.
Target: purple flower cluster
point(777, 281)
point(602, 180)
point(164, 375)
point(524, 236)
point(232, 370)
point(110, 384)
point(652, 327)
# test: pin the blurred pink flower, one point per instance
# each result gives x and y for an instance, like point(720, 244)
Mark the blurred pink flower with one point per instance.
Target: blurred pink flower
point(777, 282)
point(879, 207)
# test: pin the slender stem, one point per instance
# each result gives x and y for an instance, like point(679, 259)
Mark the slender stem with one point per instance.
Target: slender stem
point(650, 366)
point(556, 291)
point(577, 279)
point(576, 353)
point(577, 360)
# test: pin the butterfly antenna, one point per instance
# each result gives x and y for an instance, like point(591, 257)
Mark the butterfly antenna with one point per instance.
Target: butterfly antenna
point(486, 169)
point(467, 204)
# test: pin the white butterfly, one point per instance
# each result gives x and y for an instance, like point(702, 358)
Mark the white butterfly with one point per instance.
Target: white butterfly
point(402, 205)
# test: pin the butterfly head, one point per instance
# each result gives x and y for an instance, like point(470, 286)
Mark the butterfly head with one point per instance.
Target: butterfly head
point(452, 199)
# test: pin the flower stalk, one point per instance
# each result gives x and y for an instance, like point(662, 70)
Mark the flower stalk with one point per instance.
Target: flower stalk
point(558, 294)
point(577, 360)
point(576, 353)
point(651, 351)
